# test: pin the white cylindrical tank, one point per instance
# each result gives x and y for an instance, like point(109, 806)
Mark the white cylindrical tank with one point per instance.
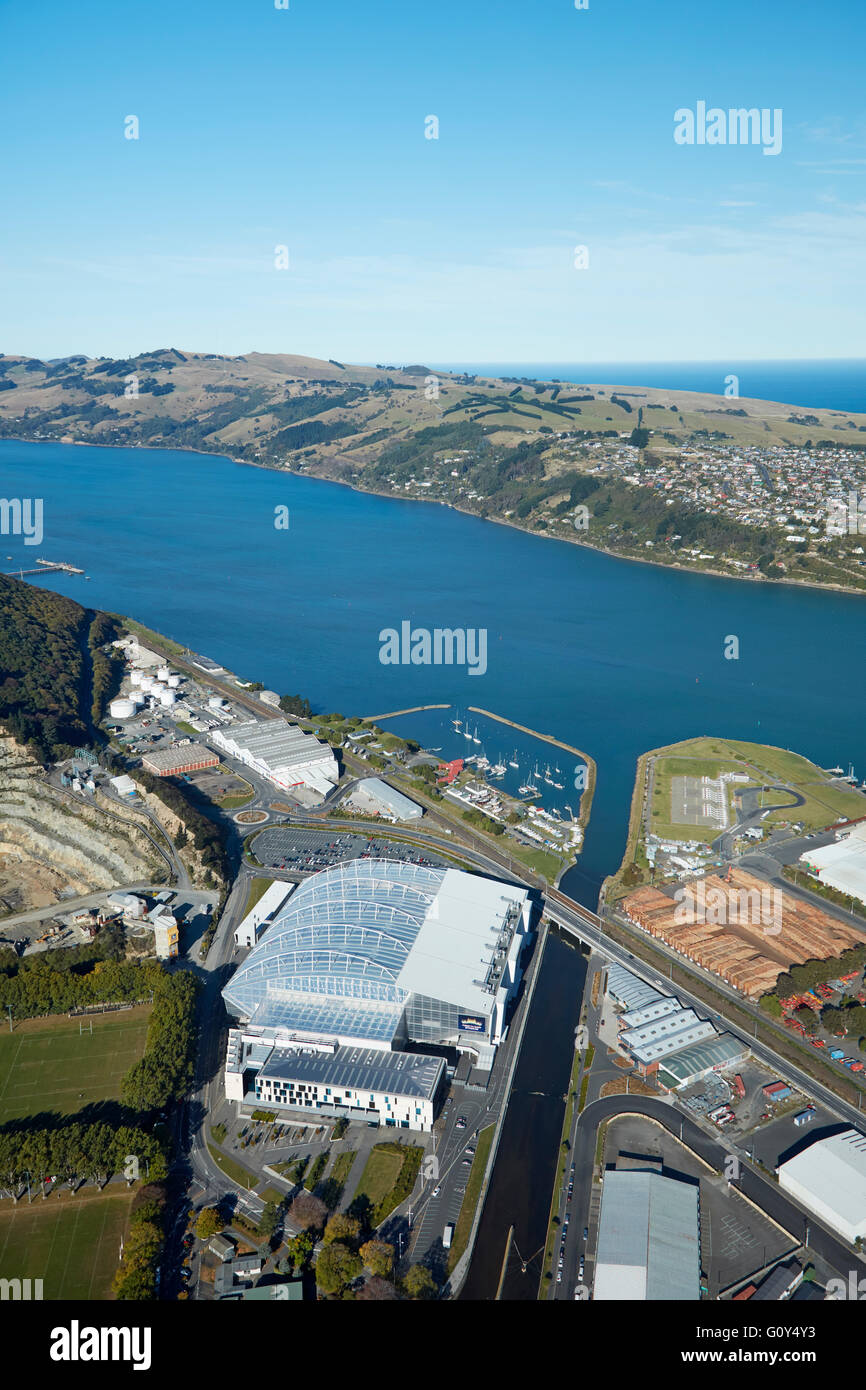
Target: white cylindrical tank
point(215, 702)
point(174, 682)
point(137, 698)
point(167, 697)
point(146, 682)
point(121, 709)
point(163, 673)
point(135, 678)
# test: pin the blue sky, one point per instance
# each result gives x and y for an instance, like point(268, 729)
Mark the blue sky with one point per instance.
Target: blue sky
point(305, 127)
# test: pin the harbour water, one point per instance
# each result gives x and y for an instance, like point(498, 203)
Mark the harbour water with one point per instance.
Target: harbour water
point(610, 656)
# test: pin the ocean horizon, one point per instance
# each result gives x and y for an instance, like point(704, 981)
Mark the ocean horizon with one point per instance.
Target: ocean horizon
point(823, 383)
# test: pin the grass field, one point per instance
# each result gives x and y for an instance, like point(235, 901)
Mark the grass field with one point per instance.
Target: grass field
point(47, 1064)
point(824, 804)
point(71, 1243)
point(379, 1176)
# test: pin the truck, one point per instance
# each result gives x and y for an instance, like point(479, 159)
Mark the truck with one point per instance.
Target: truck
point(448, 1235)
point(837, 1053)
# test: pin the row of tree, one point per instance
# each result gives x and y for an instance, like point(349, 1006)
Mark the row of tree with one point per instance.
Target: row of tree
point(48, 983)
point(165, 1072)
point(135, 1277)
point(73, 1151)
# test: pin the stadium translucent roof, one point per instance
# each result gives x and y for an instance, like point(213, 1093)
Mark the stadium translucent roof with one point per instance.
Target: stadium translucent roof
point(330, 960)
point(342, 957)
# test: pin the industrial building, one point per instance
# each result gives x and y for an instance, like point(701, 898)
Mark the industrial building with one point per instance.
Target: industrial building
point(262, 913)
point(829, 1178)
point(123, 785)
point(628, 990)
point(663, 1038)
point(171, 762)
point(842, 865)
point(372, 794)
point(397, 1090)
point(165, 931)
point(648, 1238)
point(130, 905)
point(282, 752)
point(380, 954)
point(649, 1051)
point(715, 1053)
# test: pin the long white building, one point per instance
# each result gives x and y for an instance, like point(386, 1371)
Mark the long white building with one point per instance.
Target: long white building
point(829, 1178)
point(282, 752)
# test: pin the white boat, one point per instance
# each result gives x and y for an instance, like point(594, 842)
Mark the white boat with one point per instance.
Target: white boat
point(467, 734)
point(458, 724)
point(560, 786)
point(475, 738)
point(526, 789)
point(498, 770)
point(547, 777)
point(512, 761)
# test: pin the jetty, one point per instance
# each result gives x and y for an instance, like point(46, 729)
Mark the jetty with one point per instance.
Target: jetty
point(45, 567)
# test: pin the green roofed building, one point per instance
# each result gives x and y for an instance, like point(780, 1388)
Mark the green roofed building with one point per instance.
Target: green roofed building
point(692, 1063)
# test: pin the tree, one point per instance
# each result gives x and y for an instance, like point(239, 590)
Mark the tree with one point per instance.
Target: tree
point(770, 1004)
point(378, 1290)
point(342, 1227)
point(378, 1256)
point(806, 1017)
point(300, 1249)
point(419, 1283)
point(209, 1223)
point(269, 1220)
point(336, 1267)
point(308, 1213)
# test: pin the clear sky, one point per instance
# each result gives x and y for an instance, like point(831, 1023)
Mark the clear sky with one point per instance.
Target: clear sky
point(305, 127)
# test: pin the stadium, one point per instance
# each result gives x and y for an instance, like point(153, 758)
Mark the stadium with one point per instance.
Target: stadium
point(368, 958)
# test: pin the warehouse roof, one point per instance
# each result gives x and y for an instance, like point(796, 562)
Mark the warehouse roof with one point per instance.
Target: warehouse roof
point(627, 989)
point(399, 805)
point(273, 742)
point(713, 1052)
point(648, 1241)
point(684, 1038)
point(169, 759)
point(834, 1171)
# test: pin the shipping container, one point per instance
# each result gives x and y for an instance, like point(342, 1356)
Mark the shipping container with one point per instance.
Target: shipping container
point(739, 1086)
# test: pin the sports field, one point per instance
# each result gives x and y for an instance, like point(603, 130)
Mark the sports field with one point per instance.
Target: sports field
point(49, 1064)
point(71, 1243)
